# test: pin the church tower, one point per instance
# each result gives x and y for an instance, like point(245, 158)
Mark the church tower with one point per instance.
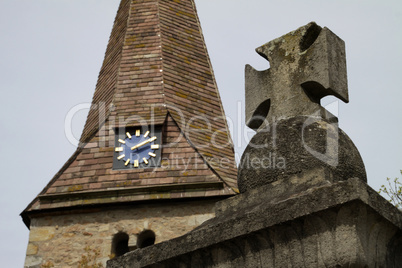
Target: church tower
point(155, 153)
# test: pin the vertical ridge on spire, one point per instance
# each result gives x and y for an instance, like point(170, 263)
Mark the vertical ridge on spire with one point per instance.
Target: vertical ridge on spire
point(107, 79)
point(191, 88)
point(139, 87)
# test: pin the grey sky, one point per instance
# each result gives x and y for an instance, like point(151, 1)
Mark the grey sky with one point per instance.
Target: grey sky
point(51, 53)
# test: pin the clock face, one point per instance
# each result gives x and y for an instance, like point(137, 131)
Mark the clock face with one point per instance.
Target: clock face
point(137, 148)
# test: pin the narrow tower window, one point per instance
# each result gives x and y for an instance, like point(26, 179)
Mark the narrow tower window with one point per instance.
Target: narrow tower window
point(120, 244)
point(146, 238)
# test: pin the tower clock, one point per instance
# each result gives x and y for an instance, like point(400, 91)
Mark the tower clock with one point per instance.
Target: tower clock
point(137, 147)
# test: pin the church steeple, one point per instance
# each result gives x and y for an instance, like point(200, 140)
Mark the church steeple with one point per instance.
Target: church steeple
point(156, 72)
point(156, 76)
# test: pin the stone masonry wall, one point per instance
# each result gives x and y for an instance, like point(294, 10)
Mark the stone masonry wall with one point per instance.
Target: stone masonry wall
point(62, 239)
point(344, 224)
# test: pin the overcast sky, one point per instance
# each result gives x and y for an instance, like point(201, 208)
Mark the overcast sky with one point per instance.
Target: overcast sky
point(51, 53)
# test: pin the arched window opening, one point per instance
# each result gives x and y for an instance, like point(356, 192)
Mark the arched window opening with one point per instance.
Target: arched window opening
point(120, 244)
point(146, 238)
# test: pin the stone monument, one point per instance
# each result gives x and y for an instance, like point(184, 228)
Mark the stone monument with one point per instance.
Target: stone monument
point(283, 105)
point(315, 208)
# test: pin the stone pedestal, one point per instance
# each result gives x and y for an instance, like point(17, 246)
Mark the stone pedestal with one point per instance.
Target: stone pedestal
point(298, 222)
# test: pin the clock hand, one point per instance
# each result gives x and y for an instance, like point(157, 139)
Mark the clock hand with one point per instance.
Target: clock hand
point(143, 143)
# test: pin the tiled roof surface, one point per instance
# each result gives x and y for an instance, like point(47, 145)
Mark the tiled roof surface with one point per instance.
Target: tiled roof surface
point(156, 70)
point(108, 75)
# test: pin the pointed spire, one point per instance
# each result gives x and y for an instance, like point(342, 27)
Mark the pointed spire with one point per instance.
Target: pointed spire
point(156, 71)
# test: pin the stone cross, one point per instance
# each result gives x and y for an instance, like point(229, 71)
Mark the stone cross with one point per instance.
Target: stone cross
point(305, 66)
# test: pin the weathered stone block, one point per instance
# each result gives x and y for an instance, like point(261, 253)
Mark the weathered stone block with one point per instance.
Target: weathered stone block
point(42, 234)
point(32, 249)
point(32, 261)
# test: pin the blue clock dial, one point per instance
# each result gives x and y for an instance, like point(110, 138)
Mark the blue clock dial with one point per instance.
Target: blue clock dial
point(137, 149)
point(138, 153)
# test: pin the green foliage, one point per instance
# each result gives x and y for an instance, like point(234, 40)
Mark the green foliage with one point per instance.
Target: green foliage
point(393, 191)
point(89, 259)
